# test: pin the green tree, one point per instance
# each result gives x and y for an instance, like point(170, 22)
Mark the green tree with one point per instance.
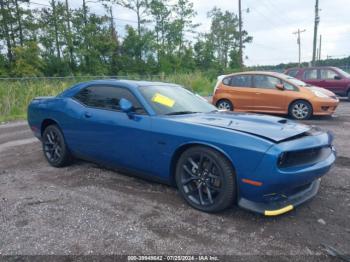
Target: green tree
point(139, 7)
point(27, 60)
point(182, 24)
point(204, 53)
point(132, 46)
point(161, 16)
point(65, 40)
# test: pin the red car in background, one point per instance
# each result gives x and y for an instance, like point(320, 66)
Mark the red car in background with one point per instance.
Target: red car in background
point(331, 78)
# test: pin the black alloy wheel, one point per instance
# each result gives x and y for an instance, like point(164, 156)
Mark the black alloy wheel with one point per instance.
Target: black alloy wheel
point(205, 179)
point(54, 147)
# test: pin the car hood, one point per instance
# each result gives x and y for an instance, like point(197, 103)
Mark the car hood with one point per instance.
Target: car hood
point(322, 90)
point(272, 128)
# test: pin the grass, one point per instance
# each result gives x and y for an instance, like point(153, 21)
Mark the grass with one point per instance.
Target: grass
point(15, 95)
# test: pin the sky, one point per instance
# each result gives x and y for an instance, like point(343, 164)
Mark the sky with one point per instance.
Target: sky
point(271, 23)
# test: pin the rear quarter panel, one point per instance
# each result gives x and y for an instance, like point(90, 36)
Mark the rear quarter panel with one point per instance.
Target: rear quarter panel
point(242, 98)
point(54, 109)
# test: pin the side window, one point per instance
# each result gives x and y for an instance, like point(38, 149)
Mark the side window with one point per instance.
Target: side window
point(289, 87)
point(241, 81)
point(268, 82)
point(107, 97)
point(227, 81)
point(310, 74)
point(328, 74)
point(293, 72)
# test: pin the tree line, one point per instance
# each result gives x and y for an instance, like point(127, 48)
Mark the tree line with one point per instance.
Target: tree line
point(55, 39)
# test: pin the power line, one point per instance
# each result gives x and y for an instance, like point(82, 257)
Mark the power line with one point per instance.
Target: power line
point(278, 12)
point(35, 3)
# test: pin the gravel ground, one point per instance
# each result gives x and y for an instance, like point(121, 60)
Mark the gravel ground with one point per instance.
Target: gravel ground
point(85, 209)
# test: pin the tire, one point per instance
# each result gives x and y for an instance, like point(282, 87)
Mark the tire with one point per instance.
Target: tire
point(349, 94)
point(206, 179)
point(225, 104)
point(300, 110)
point(54, 147)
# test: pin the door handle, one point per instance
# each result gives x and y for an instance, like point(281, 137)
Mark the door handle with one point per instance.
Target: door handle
point(257, 93)
point(87, 114)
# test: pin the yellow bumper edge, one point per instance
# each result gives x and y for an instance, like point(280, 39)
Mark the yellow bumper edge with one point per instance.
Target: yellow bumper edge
point(278, 211)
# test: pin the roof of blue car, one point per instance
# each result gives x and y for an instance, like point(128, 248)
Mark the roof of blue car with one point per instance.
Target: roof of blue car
point(133, 83)
point(125, 83)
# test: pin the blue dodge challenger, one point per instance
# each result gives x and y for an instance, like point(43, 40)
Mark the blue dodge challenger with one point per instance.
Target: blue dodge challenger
point(163, 132)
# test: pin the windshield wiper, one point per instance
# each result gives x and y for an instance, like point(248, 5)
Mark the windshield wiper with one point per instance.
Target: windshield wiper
point(181, 113)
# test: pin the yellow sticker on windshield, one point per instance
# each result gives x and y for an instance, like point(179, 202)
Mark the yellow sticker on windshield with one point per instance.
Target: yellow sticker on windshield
point(163, 100)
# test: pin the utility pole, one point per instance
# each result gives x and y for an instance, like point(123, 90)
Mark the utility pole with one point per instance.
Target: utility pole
point(299, 42)
point(240, 33)
point(240, 25)
point(317, 21)
point(319, 49)
point(113, 31)
point(84, 13)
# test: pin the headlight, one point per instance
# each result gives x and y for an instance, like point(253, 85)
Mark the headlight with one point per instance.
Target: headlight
point(320, 94)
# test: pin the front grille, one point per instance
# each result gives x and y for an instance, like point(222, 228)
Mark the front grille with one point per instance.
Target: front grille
point(303, 157)
point(285, 194)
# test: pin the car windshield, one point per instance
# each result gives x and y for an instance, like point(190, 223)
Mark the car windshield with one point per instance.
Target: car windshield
point(296, 81)
point(293, 80)
point(174, 100)
point(344, 73)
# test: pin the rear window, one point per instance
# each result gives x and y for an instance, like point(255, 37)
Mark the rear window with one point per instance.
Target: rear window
point(310, 74)
point(241, 81)
point(227, 81)
point(292, 72)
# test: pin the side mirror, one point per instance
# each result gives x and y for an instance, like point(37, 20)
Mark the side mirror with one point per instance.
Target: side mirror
point(337, 77)
point(125, 105)
point(280, 86)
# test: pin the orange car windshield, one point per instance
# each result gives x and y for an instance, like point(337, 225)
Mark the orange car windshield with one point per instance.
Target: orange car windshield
point(297, 81)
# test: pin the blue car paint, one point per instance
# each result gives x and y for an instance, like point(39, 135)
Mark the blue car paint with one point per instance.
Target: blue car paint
point(150, 143)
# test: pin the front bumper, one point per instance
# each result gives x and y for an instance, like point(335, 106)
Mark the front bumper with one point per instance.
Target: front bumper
point(284, 205)
point(322, 107)
point(279, 189)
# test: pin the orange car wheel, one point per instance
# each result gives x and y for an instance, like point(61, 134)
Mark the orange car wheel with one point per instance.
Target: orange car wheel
point(224, 104)
point(300, 110)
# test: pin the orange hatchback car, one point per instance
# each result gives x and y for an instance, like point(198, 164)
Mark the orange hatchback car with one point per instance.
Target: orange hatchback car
point(269, 92)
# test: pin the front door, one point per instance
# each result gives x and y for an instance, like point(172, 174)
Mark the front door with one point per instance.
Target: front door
point(267, 97)
point(331, 80)
point(106, 134)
